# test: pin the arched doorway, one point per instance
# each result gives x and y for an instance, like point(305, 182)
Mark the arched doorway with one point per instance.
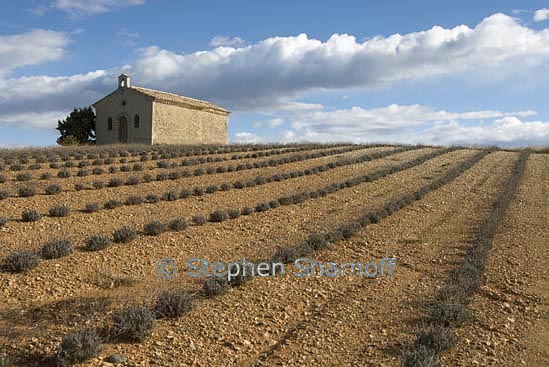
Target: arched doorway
point(122, 129)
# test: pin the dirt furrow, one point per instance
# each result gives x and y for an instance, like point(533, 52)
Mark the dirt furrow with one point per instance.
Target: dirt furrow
point(229, 329)
point(77, 227)
point(370, 312)
point(148, 167)
point(78, 199)
point(134, 152)
point(252, 236)
point(88, 163)
point(511, 312)
point(246, 235)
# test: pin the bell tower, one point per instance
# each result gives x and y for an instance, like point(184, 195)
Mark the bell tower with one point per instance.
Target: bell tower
point(123, 81)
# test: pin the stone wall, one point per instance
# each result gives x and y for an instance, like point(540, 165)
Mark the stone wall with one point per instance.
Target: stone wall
point(159, 123)
point(112, 106)
point(179, 125)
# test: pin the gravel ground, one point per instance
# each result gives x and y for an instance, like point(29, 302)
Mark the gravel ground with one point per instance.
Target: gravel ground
point(13, 206)
point(511, 324)
point(287, 320)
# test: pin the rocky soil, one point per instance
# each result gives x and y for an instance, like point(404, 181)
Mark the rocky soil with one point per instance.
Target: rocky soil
point(288, 320)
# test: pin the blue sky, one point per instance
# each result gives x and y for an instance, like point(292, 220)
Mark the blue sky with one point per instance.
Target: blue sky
point(468, 72)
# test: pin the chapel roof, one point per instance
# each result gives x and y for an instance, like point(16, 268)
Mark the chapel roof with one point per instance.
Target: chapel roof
point(173, 99)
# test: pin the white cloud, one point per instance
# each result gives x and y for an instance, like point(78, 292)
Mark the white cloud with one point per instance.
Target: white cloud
point(4, 145)
point(508, 131)
point(245, 138)
point(286, 136)
point(292, 107)
point(278, 69)
point(78, 31)
point(35, 120)
point(37, 102)
point(128, 38)
point(386, 119)
point(269, 75)
point(38, 11)
point(31, 48)
point(519, 11)
point(123, 32)
point(221, 41)
point(416, 123)
point(272, 123)
point(541, 15)
point(90, 7)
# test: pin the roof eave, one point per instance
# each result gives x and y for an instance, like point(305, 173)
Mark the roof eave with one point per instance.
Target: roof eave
point(205, 106)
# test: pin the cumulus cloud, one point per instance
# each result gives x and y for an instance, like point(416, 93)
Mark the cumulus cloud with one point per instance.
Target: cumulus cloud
point(123, 32)
point(272, 123)
point(541, 15)
point(519, 11)
point(416, 123)
point(39, 101)
point(508, 131)
point(269, 75)
point(39, 11)
point(34, 120)
point(12, 146)
point(386, 119)
point(30, 48)
point(78, 31)
point(245, 138)
point(279, 69)
point(220, 41)
point(286, 136)
point(128, 38)
point(283, 137)
point(90, 7)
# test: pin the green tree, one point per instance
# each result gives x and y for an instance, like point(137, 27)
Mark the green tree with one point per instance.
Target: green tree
point(79, 126)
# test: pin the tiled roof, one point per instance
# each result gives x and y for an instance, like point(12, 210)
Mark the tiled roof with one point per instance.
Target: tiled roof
point(170, 98)
point(174, 99)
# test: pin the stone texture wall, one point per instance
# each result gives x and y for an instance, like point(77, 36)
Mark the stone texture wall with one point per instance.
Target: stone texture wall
point(179, 125)
point(159, 123)
point(112, 106)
